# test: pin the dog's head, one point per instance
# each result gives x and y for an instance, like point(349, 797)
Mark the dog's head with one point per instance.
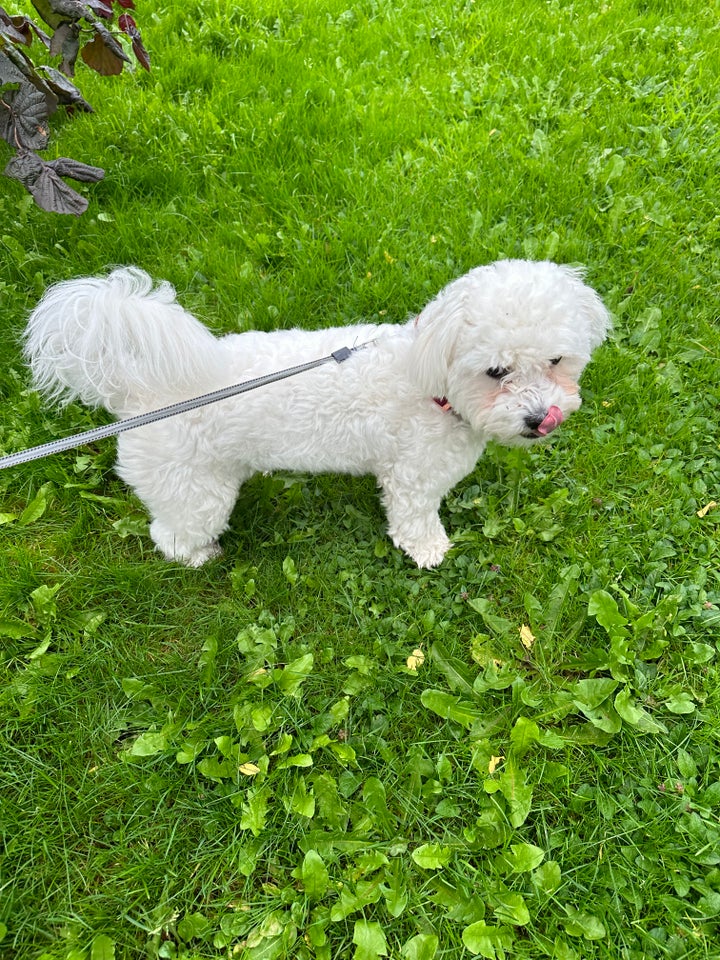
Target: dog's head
point(506, 344)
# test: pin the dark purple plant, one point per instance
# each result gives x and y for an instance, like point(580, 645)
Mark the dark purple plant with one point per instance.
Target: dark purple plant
point(30, 93)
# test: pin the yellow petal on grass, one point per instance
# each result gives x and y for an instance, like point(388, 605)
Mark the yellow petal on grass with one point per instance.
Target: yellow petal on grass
point(494, 763)
point(526, 637)
point(707, 508)
point(415, 660)
point(249, 769)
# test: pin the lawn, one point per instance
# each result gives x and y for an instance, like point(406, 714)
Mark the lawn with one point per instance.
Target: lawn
point(308, 748)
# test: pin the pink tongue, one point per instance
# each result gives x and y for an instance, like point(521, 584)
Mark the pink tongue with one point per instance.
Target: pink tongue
point(553, 419)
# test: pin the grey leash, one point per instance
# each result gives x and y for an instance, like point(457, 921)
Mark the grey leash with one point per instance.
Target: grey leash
point(183, 406)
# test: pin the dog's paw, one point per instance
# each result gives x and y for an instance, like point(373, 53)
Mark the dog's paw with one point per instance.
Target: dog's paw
point(172, 547)
point(430, 555)
point(199, 556)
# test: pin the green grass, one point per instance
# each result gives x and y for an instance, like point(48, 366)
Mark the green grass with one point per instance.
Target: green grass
point(237, 761)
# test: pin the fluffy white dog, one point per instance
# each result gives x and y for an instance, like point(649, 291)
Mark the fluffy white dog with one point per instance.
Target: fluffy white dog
point(495, 356)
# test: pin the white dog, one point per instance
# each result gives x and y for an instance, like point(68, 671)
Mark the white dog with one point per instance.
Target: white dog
point(496, 356)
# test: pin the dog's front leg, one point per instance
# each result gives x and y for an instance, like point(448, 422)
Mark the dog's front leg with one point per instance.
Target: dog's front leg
point(411, 506)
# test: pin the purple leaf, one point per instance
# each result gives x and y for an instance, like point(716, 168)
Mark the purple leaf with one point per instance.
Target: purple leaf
point(141, 53)
point(9, 73)
point(49, 192)
point(15, 28)
point(66, 41)
point(102, 8)
point(28, 114)
point(97, 56)
point(66, 93)
point(128, 26)
point(54, 12)
point(66, 167)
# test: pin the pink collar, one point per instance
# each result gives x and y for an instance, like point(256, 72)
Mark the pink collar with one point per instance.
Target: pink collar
point(446, 407)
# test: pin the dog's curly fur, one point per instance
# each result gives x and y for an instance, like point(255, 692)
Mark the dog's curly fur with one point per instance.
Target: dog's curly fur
point(495, 356)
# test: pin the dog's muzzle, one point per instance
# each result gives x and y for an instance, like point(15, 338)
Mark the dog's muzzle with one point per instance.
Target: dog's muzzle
point(542, 425)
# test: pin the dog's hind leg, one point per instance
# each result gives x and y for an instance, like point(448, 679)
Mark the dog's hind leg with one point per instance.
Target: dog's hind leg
point(190, 513)
point(189, 503)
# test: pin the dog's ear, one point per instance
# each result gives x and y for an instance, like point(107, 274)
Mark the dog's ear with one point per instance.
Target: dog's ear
point(591, 309)
point(436, 331)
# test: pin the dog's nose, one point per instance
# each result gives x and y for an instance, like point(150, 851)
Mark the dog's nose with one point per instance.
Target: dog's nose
point(544, 423)
point(533, 420)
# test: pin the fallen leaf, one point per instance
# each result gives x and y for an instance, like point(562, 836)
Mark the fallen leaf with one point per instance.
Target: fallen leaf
point(416, 659)
point(707, 508)
point(494, 763)
point(249, 769)
point(526, 637)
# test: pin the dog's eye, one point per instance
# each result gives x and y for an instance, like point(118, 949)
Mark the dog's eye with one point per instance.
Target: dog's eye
point(497, 373)
point(554, 362)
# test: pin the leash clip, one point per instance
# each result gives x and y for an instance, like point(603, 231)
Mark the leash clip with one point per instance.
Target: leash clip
point(341, 355)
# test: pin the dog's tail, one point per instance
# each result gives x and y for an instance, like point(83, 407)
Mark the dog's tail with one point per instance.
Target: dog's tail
point(118, 343)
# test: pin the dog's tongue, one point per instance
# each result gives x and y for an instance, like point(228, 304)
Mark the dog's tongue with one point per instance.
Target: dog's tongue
point(553, 419)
